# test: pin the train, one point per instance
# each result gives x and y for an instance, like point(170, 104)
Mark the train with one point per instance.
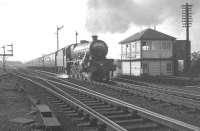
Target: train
point(84, 60)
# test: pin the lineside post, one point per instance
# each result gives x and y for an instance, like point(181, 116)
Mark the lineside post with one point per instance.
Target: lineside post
point(6, 54)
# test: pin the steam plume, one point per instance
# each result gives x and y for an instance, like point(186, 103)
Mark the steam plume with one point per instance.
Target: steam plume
point(117, 15)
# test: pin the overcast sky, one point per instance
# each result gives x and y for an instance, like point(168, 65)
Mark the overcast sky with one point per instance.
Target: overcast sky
point(31, 24)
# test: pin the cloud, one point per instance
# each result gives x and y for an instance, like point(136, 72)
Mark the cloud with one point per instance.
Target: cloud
point(117, 15)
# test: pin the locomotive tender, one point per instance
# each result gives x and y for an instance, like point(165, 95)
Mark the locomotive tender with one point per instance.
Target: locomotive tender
point(84, 60)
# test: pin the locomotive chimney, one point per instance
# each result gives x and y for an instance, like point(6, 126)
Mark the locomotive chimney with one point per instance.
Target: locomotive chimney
point(94, 37)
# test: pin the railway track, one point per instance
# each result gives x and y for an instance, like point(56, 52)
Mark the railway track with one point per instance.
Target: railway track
point(178, 106)
point(168, 80)
point(4, 75)
point(114, 113)
point(188, 97)
point(180, 97)
point(177, 91)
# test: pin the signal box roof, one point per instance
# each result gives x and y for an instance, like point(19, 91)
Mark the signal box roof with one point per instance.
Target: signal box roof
point(147, 34)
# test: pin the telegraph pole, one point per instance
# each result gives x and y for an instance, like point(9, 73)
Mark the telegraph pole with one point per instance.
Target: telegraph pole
point(4, 59)
point(57, 31)
point(11, 50)
point(187, 18)
point(76, 36)
point(187, 23)
point(130, 58)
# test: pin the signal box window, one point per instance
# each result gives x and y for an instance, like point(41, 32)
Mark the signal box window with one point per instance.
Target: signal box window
point(165, 45)
point(146, 46)
point(169, 67)
point(145, 68)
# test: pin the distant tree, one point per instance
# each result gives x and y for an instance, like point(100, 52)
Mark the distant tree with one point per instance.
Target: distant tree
point(195, 64)
point(195, 55)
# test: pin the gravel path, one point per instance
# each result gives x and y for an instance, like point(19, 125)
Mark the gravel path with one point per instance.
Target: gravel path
point(13, 104)
point(41, 94)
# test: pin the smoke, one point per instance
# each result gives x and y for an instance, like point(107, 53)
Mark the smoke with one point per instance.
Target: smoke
point(117, 15)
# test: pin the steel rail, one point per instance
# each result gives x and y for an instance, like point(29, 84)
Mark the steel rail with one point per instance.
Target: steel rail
point(182, 126)
point(78, 103)
point(180, 99)
point(176, 91)
point(188, 101)
point(3, 74)
point(195, 86)
point(184, 92)
point(153, 87)
point(159, 118)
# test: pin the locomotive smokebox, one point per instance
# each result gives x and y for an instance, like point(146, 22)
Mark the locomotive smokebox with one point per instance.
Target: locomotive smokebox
point(98, 48)
point(94, 37)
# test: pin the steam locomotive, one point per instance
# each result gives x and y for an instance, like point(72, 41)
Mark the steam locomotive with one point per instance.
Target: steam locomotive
point(84, 60)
